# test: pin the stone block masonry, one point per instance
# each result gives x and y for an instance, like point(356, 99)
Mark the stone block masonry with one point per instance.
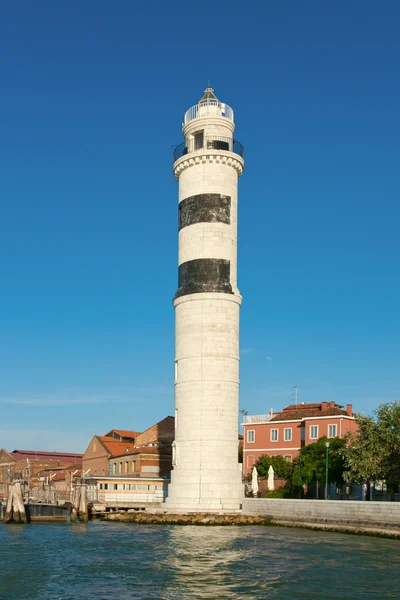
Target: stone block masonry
point(204, 208)
point(378, 515)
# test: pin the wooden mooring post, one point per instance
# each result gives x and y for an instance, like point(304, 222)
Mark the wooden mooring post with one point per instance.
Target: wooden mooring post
point(83, 507)
point(15, 508)
point(79, 507)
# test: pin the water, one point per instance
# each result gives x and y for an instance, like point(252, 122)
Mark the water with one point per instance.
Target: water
point(153, 562)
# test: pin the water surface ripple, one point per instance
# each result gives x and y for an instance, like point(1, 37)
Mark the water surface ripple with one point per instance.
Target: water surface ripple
point(100, 561)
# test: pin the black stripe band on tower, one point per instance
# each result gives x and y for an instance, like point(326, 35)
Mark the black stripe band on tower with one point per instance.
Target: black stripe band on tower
point(204, 208)
point(204, 275)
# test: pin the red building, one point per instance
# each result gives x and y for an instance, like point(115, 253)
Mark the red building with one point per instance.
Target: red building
point(295, 426)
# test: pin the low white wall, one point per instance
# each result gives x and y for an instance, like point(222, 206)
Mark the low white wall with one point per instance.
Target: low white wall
point(378, 514)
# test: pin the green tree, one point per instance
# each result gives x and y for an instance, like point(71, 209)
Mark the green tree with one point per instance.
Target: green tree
point(362, 453)
point(373, 452)
point(240, 453)
point(297, 477)
point(388, 419)
point(311, 462)
point(282, 468)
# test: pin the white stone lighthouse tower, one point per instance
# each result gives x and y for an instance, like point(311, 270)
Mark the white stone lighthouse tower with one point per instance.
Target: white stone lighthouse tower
point(207, 166)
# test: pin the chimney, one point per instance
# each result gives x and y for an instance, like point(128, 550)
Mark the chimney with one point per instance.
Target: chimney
point(332, 404)
point(349, 409)
point(324, 406)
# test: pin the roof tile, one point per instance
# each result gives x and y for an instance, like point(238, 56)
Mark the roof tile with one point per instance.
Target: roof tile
point(116, 448)
point(302, 411)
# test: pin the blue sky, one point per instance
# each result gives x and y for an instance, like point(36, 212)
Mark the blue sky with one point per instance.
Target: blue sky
point(92, 98)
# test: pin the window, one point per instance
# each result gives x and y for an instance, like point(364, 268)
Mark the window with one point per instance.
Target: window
point(218, 145)
point(332, 431)
point(313, 432)
point(126, 467)
point(176, 370)
point(303, 434)
point(120, 468)
point(288, 434)
point(274, 435)
point(251, 436)
point(288, 457)
point(198, 140)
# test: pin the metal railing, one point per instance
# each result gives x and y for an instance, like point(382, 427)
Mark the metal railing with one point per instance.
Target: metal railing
point(208, 143)
point(258, 418)
point(208, 109)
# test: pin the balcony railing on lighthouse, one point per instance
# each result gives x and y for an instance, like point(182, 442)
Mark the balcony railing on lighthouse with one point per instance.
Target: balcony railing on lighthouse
point(207, 109)
point(208, 143)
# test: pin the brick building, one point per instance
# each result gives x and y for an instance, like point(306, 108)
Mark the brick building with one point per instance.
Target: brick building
point(132, 453)
point(144, 461)
point(297, 425)
point(152, 454)
point(122, 435)
point(104, 447)
point(55, 484)
point(27, 465)
point(160, 434)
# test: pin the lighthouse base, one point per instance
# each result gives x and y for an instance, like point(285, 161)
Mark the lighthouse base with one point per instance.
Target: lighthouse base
point(206, 494)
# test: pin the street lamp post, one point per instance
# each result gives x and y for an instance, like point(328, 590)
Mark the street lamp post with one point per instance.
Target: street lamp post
point(301, 478)
point(326, 469)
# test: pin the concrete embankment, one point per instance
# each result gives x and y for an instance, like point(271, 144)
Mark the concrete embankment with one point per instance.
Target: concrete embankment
point(372, 518)
point(368, 518)
point(188, 519)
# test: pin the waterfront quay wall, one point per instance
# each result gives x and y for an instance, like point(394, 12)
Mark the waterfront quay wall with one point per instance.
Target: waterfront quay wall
point(384, 515)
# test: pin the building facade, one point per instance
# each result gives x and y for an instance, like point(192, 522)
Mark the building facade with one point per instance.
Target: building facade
point(101, 449)
point(207, 166)
point(297, 425)
point(126, 491)
point(122, 452)
point(27, 465)
point(122, 435)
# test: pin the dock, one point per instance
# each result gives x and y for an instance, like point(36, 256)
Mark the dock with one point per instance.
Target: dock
point(39, 513)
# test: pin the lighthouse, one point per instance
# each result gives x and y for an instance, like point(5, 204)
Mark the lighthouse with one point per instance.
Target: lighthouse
point(207, 166)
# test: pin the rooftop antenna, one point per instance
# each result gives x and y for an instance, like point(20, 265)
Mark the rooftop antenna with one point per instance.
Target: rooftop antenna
point(295, 394)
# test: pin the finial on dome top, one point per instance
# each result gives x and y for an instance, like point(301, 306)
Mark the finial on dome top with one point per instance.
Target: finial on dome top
point(208, 95)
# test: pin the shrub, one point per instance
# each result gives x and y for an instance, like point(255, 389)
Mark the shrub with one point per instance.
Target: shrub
point(282, 492)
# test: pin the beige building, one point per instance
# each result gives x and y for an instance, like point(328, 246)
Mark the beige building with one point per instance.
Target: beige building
point(126, 492)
